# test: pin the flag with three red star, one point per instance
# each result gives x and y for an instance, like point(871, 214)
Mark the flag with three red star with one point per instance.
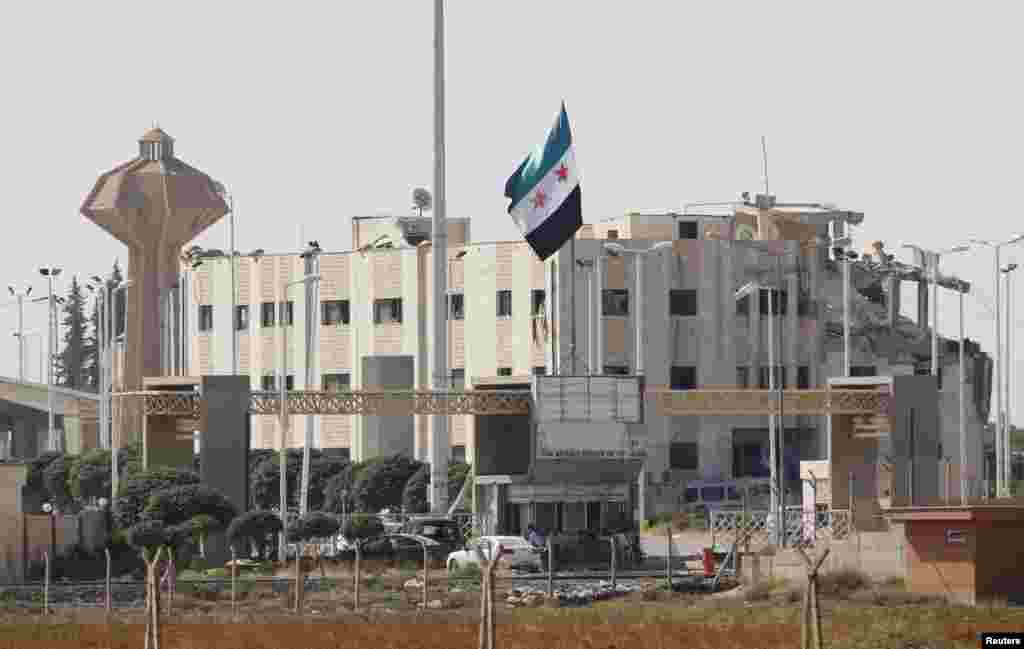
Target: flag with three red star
point(545, 192)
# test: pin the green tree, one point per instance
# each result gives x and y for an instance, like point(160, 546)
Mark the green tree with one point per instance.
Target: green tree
point(415, 499)
point(255, 527)
point(190, 512)
point(380, 485)
point(134, 493)
point(265, 477)
point(55, 479)
point(70, 366)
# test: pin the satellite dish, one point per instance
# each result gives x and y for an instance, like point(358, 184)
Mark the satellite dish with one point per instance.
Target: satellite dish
point(422, 200)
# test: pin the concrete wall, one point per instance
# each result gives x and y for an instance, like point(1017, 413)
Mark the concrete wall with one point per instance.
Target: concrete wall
point(388, 435)
point(503, 444)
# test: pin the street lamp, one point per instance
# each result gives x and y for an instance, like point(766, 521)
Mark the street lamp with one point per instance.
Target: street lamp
point(618, 250)
point(1008, 376)
point(51, 511)
point(312, 262)
point(113, 325)
point(1001, 438)
point(21, 295)
point(284, 410)
point(930, 265)
point(49, 273)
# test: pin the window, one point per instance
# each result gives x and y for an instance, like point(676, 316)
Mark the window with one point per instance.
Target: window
point(205, 317)
point(387, 310)
point(616, 370)
point(684, 377)
point(540, 370)
point(683, 456)
point(613, 234)
point(863, 370)
point(241, 317)
point(803, 378)
point(504, 299)
point(688, 230)
point(333, 312)
point(682, 302)
point(267, 314)
point(764, 380)
point(537, 299)
point(779, 301)
point(804, 306)
point(456, 306)
point(504, 371)
point(458, 378)
point(614, 301)
point(289, 382)
point(340, 382)
point(287, 313)
point(459, 453)
point(268, 383)
point(743, 305)
point(743, 377)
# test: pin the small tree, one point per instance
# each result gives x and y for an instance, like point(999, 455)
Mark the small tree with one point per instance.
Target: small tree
point(414, 496)
point(382, 483)
point(150, 537)
point(255, 527)
point(71, 363)
point(134, 493)
point(314, 525)
point(194, 509)
point(357, 529)
point(55, 479)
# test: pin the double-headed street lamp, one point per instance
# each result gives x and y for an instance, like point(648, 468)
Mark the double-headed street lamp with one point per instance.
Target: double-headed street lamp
point(283, 391)
point(311, 256)
point(50, 272)
point(1008, 376)
point(1002, 442)
point(21, 295)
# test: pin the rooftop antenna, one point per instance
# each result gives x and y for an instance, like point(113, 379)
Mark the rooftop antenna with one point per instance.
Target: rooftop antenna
point(764, 163)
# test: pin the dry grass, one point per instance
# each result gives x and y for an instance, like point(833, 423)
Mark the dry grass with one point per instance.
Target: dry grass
point(855, 617)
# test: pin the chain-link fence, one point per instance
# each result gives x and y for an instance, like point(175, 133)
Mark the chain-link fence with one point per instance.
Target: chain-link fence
point(756, 528)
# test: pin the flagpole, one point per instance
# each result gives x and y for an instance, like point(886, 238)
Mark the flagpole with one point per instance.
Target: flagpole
point(439, 443)
point(572, 300)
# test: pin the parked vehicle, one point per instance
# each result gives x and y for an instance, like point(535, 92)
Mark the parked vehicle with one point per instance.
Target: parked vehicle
point(397, 547)
point(445, 531)
point(516, 552)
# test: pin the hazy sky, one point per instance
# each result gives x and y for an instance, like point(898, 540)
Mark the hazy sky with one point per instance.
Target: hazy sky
point(313, 112)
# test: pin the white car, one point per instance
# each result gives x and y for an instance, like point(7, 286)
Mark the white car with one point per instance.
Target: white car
point(516, 552)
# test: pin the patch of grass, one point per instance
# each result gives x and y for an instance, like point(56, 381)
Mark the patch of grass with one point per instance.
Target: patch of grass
point(375, 583)
point(841, 583)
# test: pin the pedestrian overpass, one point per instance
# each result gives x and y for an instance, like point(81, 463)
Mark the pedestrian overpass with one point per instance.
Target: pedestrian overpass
point(24, 411)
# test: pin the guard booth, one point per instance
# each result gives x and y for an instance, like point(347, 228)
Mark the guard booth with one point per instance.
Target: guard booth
point(972, 554)
point(874, 460)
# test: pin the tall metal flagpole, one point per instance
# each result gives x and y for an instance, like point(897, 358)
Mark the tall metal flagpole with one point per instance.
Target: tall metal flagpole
point(439, 445)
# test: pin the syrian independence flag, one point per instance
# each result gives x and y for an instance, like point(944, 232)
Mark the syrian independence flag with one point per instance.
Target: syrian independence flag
point(545, 192)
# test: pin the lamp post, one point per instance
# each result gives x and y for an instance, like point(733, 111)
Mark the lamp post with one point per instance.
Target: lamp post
point(102, 291)
point(113, 320)
point(617, 250)
point(1002, 455)
point(1008, 376)
point(283, 390)
point(588, 267)
point(312, 259)
point(21, 324)
point(51, 511)
point(50, 272)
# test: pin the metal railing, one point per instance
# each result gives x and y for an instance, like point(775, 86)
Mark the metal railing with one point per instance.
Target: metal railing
point(755, 528)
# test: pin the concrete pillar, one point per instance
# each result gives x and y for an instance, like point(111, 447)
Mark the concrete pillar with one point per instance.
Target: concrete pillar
point(388, 435)
point(224, 447)
point(892, 298)
point(24, 437)
point(922, 304)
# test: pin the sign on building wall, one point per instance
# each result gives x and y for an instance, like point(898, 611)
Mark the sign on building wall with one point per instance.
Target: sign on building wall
point(587, 399)
point(956, 537)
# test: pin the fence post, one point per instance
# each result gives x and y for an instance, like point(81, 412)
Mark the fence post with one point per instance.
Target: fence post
point(46, 583)
point(611, 540)
point(298, 577)
point(234, 578)
point(668, 557)
point(426, 575)
point(109, 602)
point(355, 577)
point(551, 568)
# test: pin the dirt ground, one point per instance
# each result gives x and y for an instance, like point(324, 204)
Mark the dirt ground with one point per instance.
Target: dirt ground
point(856, 615)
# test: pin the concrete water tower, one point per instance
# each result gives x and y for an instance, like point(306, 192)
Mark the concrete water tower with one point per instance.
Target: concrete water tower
point(154, 204)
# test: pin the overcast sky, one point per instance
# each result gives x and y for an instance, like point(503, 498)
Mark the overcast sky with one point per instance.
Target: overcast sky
point(314, 112)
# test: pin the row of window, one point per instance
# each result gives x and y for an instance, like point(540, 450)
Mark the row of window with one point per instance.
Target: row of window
point(342, 382)
point(771, 302)
point(614, 302)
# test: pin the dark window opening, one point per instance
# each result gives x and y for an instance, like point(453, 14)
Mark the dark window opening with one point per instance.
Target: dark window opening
point(504, 299)
point(241, 317)
point(803, 377)
point(504, 371)
point(459, 453)
point(333, 312)
point(458, 378)
point(682, 302)
point(456, 306)
point(387, 310)
point(779, 302)
point(339, 382)
point(743, 305)
point(540, 370)
point(615, 302)
point(764, 378)
point(205, 317)
point(863, 370)
point(287, 313)
point(688, 230)
point(684, 377)
point(743, 377)
point(267, 314)
point(613, 234)
point(537, 301)
point(616, 370)
point(683, 456)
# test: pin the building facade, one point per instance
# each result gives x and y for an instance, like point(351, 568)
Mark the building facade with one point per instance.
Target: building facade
point(710, 302)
